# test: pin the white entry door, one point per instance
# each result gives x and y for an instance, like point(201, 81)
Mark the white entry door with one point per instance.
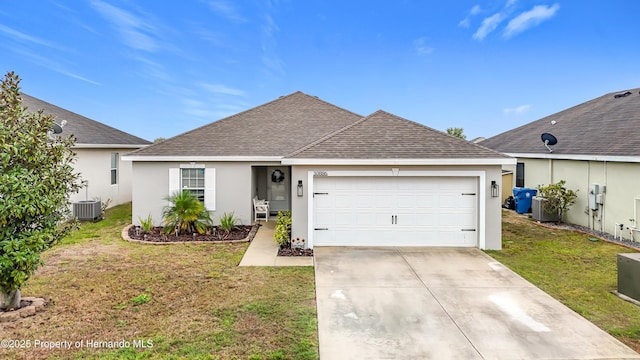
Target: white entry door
point(395, 211)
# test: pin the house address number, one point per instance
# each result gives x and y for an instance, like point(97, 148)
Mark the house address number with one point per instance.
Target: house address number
point(320, 173)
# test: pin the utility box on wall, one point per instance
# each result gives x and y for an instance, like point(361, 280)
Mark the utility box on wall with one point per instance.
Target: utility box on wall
point(594, 191)
point(629, 275)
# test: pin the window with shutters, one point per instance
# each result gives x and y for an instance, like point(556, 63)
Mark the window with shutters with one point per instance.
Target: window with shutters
point(193, 180)
point(198, 179)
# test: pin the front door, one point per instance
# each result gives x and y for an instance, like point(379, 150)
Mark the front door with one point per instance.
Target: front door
point(278, 188)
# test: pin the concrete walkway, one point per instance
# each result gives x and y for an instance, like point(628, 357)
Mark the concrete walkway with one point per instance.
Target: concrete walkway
point(263, 251)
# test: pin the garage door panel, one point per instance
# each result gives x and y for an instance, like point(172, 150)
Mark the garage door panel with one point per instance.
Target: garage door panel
point(395, 211)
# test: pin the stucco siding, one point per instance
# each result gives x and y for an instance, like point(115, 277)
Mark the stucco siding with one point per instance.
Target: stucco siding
point(492, 206)
point(232, 189)
point(94, 165)
point(619, 179)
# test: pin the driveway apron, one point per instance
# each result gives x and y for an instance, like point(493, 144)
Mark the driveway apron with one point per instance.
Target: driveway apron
point(443, 303)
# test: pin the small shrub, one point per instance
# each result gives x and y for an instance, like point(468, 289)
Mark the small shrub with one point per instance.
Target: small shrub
point(282, 235)
point(228, 221)
point(146, 224)
point(558, 198)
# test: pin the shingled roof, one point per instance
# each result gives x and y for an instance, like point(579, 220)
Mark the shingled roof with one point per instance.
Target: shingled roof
point(606, 126)
point(382, 135)
point(87, 131)
point(273, 129)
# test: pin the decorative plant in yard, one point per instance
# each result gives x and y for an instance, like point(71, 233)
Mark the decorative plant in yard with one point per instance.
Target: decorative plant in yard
point(227, 223)
point(36, 178)
point(557, 197)
point(146, 224)
point(282, 235)
point(185, 215)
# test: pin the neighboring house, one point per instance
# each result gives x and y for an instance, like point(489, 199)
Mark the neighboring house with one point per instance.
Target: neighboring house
point(347, 179)
point(597, 153)
point(99, 149)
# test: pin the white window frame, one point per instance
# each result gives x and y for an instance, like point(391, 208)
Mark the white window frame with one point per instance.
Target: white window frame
point(113, 173)
point(175, 183)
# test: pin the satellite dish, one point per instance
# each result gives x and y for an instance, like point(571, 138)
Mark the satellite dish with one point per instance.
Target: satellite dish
point(548, 139)
point(57, 129)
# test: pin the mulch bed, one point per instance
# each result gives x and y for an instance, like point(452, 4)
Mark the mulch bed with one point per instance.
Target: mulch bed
point(295, 252)
point(156, 234)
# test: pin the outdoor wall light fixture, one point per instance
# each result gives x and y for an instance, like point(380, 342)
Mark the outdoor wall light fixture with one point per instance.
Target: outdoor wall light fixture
point(300, 190)
point(495, 189)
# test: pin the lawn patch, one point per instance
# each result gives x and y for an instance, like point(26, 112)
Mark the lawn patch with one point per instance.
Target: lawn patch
point(185, 300)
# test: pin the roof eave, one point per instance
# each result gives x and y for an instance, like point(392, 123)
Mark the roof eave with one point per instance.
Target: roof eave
point(442, 161)
point(202, 158)
point(581, 157)
point(109, 146)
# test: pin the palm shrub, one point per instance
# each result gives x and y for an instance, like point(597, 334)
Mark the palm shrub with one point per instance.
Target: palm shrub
point(185, 215)
point(282, 235)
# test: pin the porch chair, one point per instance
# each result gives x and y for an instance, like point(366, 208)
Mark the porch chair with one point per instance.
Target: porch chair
point(260, 207)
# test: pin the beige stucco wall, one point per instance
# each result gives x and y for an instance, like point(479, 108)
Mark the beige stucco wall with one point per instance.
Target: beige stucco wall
point(492, 208)
point(233, 189)
point(621, 181)
point(94, 165)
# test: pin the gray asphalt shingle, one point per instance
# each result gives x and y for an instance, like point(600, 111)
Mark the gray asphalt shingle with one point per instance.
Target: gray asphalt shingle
point(382, 135)
point(86, 131)
point(608, 125)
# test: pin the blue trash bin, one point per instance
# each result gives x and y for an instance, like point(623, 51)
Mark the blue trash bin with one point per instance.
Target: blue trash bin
point(523, 196)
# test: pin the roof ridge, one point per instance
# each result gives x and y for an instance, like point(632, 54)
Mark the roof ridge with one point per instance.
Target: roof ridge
point(228, 118)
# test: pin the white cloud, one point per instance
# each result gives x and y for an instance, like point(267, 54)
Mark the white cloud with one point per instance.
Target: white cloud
point(270, 58)
point(511, 3)
point(467, 21)
point(489, 24)
point(518, 110)
point(136, 32)
point(17, 35)
point(222, 89)
point(226, 9)
point(51, 65)
point(421, 47)
point(528, 19)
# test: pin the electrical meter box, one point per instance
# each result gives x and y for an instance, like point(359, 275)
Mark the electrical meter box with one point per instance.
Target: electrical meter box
point(594, 190)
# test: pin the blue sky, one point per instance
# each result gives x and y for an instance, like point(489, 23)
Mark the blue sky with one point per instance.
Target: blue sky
point(160, 68)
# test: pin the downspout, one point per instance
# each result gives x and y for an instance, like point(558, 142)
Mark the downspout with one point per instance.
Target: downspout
point(604, 198)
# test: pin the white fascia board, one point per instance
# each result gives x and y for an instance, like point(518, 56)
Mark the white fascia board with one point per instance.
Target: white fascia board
point(109, 146)
point(630, 159)
point(489, 161)
point(134, 157)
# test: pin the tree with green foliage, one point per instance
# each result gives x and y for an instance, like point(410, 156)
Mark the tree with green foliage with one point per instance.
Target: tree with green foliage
point(457, 132)
point(557, 198)
point(185, 215)
point(36, 178)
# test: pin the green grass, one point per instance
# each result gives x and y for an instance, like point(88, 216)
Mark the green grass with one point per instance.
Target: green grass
point(190, 301)
point(568, 266)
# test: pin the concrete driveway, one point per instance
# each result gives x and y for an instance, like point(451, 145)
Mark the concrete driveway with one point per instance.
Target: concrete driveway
point(442, 303)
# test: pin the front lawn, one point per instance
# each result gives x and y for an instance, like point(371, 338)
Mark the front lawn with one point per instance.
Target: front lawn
point(180, 301)
point(572, 268)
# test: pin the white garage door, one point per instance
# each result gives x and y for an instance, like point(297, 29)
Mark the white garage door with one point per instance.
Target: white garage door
point(395, 211)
